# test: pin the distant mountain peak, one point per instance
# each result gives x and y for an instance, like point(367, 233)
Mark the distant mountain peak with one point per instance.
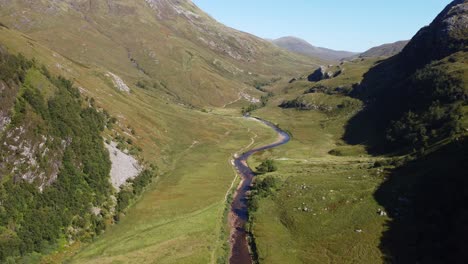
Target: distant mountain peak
point(385, 50)
point(303, 47)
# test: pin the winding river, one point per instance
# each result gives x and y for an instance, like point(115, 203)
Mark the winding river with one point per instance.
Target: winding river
point(239, 212)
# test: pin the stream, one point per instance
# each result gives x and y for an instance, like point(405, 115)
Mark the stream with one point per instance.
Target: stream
point(239, 211)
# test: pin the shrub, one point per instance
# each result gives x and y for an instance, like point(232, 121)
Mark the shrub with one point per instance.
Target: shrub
point(266, 166)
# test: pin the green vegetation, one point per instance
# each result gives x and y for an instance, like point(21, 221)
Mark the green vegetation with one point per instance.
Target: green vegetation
point(435, 101)
point(254, 106)
point(426, 200)
point(266, 166)
point(132, 190)
point(31, 219)
point(310, 209)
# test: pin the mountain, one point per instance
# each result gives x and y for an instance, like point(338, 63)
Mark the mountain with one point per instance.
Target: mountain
point(385, 50)
point(408, 119)
point(428, 75)
point(416, 106)
point(119, 121)
point(301, 46)
point(193, 57)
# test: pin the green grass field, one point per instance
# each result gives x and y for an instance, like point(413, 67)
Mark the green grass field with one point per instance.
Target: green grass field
point(325, 210)
point(336, 190)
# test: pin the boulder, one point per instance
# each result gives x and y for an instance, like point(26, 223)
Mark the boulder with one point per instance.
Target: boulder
point(317, 75)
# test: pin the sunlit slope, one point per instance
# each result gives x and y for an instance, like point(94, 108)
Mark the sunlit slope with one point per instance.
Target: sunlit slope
point(169, 45)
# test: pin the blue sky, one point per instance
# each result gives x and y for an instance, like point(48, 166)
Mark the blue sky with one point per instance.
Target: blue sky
point(353, 25)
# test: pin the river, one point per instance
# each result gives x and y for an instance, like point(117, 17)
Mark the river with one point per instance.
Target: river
point(239, 211)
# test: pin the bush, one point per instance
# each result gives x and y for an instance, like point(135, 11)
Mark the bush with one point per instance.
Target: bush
point(266, 166)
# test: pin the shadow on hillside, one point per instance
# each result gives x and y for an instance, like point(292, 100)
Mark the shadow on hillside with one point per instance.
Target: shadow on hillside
point(368, 126)
point(427, 200)
point(362, 130)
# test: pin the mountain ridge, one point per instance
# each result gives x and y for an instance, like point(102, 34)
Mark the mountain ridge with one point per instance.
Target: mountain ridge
point(303, 47)
point(385, 50)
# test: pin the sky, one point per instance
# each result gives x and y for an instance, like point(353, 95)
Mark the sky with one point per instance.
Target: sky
point(352, 25)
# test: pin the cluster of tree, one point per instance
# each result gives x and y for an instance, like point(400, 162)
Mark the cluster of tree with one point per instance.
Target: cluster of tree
point(13, 68)
point(297, 103)
point(31, 219)
point(266, 166)
point(262, 187)
point(434, 99)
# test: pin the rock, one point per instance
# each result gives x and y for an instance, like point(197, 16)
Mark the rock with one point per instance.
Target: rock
point(381, 212)
point(123, 167)
point(338, 73)
point(317, 75)
point(119, 83)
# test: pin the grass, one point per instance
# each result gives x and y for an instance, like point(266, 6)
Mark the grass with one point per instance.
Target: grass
point(334, 181)
point(182, 211)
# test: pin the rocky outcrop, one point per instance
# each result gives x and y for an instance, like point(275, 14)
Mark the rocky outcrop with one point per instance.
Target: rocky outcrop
point(447, 34)
point(119, 83)
point(323, 73)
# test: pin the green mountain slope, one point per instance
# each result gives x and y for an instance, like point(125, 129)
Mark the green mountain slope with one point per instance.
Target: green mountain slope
point(168, 45)
point(419, 96)
point(385, 50)
point(54, 167)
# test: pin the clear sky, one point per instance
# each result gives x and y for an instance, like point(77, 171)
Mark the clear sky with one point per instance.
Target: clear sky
point(353, 25)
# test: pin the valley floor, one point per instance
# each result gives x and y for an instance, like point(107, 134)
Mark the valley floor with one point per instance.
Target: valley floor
point(324, 210)
point(180, 218)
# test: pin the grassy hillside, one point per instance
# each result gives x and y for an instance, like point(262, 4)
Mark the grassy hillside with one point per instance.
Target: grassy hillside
point(191, 147)
point(170, 46)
